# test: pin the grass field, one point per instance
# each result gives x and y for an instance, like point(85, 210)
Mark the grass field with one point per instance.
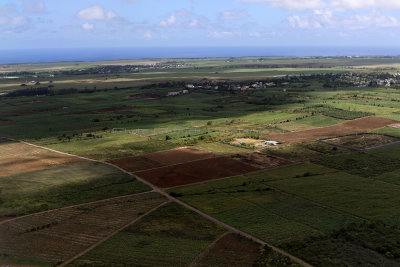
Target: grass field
point(367, 198)
point(17, 158)
point(170, 236)
point(365, 164)
point(64, 185)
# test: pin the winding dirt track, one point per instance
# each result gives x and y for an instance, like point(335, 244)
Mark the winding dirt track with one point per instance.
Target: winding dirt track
point(162, 192)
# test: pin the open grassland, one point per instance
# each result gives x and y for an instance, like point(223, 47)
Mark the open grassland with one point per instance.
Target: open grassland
point(98, 145)
point(389, 131)
point(170, 236)
point(306, 152)
point(17, 158)
point(249, 203)
point(55, 236)
point(221, 148)
point(60, 186)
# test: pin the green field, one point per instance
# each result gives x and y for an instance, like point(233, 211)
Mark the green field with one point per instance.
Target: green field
point(170, 236)
point(252, 205)
point(62, 186)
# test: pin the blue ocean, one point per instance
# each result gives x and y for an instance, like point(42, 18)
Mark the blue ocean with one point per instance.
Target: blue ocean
point(97, 54)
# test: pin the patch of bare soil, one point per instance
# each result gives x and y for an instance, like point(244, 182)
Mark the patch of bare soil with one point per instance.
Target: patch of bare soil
point(360, 125)
point(261, 160)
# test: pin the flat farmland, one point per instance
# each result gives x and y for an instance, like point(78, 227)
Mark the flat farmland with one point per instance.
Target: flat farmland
point(230, 250)
point(160, 159)
point(250, 204)
point(363, 197)
point(195, 171)
point(365, 124)
point(17, 157)
point(55, 236)
point(169, 236)
point(64, 185)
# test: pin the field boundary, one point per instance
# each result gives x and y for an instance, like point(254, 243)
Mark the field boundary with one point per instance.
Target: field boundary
point(112, 234)
point(322, 140)
point(207, 249)
point(77, 205)
point(223, 178)
point(227, 226)
point(162, 192)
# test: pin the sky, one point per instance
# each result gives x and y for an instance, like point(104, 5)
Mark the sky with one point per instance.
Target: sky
point(161, 23)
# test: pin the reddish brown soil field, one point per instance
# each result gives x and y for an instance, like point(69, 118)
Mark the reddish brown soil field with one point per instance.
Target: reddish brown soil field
point(133, 164)
point(180, 155)
point(17, 158)
point(262, 161)
point(160, 159)
point(195, 171)
point(230, 250)
point(365, 124)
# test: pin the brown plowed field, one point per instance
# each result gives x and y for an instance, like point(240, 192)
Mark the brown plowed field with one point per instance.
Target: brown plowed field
point(17, 158)
point(260, 160)
point(195, 171)
point(365, 124)
point(160, 159)
point(230, 250)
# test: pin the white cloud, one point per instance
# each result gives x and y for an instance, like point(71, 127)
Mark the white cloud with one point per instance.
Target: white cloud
point(34, 7)
point(193, 24)
point(96, 13)
point(234, 14)
point(111, 15)
point(147, 35)
point(290, 4)
point(326, 19)
point(87, 26)
point(184, 19)
point(220, 34)
point(11, 25)
point(92, 13)
point(7, 10)
point(168, 22)
point(336, 4)
point(255, 34)
point(364, 4)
